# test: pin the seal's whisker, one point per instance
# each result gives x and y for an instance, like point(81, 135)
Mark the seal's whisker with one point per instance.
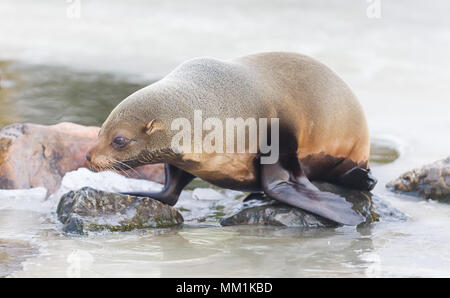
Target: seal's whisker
point(117, 170)
point(118, 166)
point(127, 166)
point(122, 170)
point(111, 166)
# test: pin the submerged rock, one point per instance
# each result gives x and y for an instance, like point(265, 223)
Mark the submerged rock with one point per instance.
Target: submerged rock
point(383, 151)
point(91, 210)
point(431, 181)
point(38, 156)
point(270, 212)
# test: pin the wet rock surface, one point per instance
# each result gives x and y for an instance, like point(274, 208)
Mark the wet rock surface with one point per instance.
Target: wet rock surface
point(276, 214)
point(88, 210)
point(38, 156)
point(260, 210)
point(431, 181)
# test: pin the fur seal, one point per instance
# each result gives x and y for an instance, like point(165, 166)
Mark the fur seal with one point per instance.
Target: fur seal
point(323, 133)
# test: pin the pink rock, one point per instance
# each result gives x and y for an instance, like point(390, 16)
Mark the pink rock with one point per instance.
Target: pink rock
point(34, 155)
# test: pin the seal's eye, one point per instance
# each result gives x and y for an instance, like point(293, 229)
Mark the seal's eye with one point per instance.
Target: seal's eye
point(119, 142)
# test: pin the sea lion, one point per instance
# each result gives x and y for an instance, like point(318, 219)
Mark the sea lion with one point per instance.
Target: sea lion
point(323, 133)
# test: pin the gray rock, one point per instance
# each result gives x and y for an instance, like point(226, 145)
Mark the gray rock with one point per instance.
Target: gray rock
point(91, 210)
point(431, 181)
point(270, 212)
point(386, 211)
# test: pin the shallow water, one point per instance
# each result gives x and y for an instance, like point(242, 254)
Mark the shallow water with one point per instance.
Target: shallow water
point(60, 69)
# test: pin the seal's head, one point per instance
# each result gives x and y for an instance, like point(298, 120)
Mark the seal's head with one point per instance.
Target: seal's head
point(129, 139)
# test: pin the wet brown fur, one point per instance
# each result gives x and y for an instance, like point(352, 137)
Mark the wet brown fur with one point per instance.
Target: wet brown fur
point(320, 118)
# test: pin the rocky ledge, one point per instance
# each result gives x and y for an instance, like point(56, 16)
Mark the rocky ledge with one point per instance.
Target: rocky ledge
point(431, 181)
point(88, 210)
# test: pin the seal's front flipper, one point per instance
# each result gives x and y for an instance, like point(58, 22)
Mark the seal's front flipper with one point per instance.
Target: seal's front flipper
point(293, 187)
point(358, 178)
point(176, 180)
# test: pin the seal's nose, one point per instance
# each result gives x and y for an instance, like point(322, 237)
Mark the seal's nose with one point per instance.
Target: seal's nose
point(88, 157)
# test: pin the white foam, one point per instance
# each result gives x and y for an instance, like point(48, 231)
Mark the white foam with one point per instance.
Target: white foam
point(35, 199)
point(22, 199)
point(105, 181)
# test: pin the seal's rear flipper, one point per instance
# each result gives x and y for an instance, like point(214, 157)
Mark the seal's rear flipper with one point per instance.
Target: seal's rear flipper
point(358, 178)
point(293, 188)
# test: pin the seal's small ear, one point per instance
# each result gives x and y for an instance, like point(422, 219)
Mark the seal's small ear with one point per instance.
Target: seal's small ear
point(153, 126)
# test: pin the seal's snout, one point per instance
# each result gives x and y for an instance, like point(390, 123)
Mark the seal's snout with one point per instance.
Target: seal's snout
point(90, 158)
point(96, 161)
